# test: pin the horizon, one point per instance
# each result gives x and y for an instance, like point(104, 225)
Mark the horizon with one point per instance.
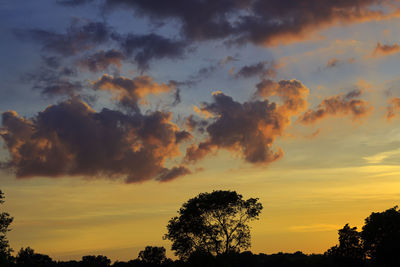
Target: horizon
point(114, 113)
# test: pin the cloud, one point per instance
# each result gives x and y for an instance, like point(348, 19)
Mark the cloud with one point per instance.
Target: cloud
point(100, 61)
point(380, 157)
point(79, 36)
point(128, 92)
point(173, 173)
point(292, 92)
point(72, 139)
point(53, 79)
point(258, 69)
point(383, 50)
point(339, 105)
point(393, 107)
point(249, 128)
point(334, 62)
point(145, 48)
point(259, 22)
point(227, 60)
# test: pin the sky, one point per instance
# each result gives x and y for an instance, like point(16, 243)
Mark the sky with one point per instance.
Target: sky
point(116, 112)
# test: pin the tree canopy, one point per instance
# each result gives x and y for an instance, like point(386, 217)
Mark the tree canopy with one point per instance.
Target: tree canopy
point(350, 250)
point(153, 255)
point(214, 223)
point(381, 237)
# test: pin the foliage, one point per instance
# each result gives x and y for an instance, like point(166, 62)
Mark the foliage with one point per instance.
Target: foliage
point(99, 260)
point(5, 221)
point(381, 237)
point(153, 255)
point(214, 223)
point(350, 251)
point(27, 258)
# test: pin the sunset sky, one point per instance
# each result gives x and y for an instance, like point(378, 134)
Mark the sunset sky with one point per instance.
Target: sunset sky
point(116, 112)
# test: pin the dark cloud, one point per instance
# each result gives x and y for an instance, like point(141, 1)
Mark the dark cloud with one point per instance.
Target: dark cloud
point(393, 107)
point(173, 173)
point(54, 79)
point(100, 61)
point(129, 91)
point(261, 22)
point(71, 139)
point(177, 97)
point(383, 50)
point(339, 105)
point(248, 128)
point(144, 48)
point(79, 36)
point(196, 124)
point(260, 69)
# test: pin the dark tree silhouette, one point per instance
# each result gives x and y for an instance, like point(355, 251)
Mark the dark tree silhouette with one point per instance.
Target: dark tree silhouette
point(98, 261)
point(350, 250)
point(27, 257)
point(5, 221)
point(153, 255)
point(381, 237)
point(215, 223)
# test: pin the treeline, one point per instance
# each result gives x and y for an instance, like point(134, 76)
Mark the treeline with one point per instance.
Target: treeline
point(212, 229)
point(27, 258)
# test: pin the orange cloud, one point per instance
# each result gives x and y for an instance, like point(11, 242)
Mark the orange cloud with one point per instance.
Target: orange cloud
point(129, 91)
point(384, 50)
point(339, 105)
point(251, 128)
point(393, 108)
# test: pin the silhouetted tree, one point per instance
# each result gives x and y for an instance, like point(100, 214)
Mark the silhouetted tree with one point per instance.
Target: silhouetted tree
point(381, 237)
point(153, 255)
point(5, 221)
point(96, 261)
point(215, 223)
point(350, 251)
point(27, 257)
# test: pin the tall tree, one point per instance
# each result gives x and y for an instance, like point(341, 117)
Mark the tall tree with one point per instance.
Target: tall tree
point(215, 223)
point(5, 221)
point(381, 237)
point(350, 251)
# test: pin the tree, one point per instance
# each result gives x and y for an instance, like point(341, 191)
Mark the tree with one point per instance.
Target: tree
point(27, 257)
point(96, 261)
point(350, 251)
point(381, 237)
point(214, 223)
point(5, 221)
point(153, 255)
